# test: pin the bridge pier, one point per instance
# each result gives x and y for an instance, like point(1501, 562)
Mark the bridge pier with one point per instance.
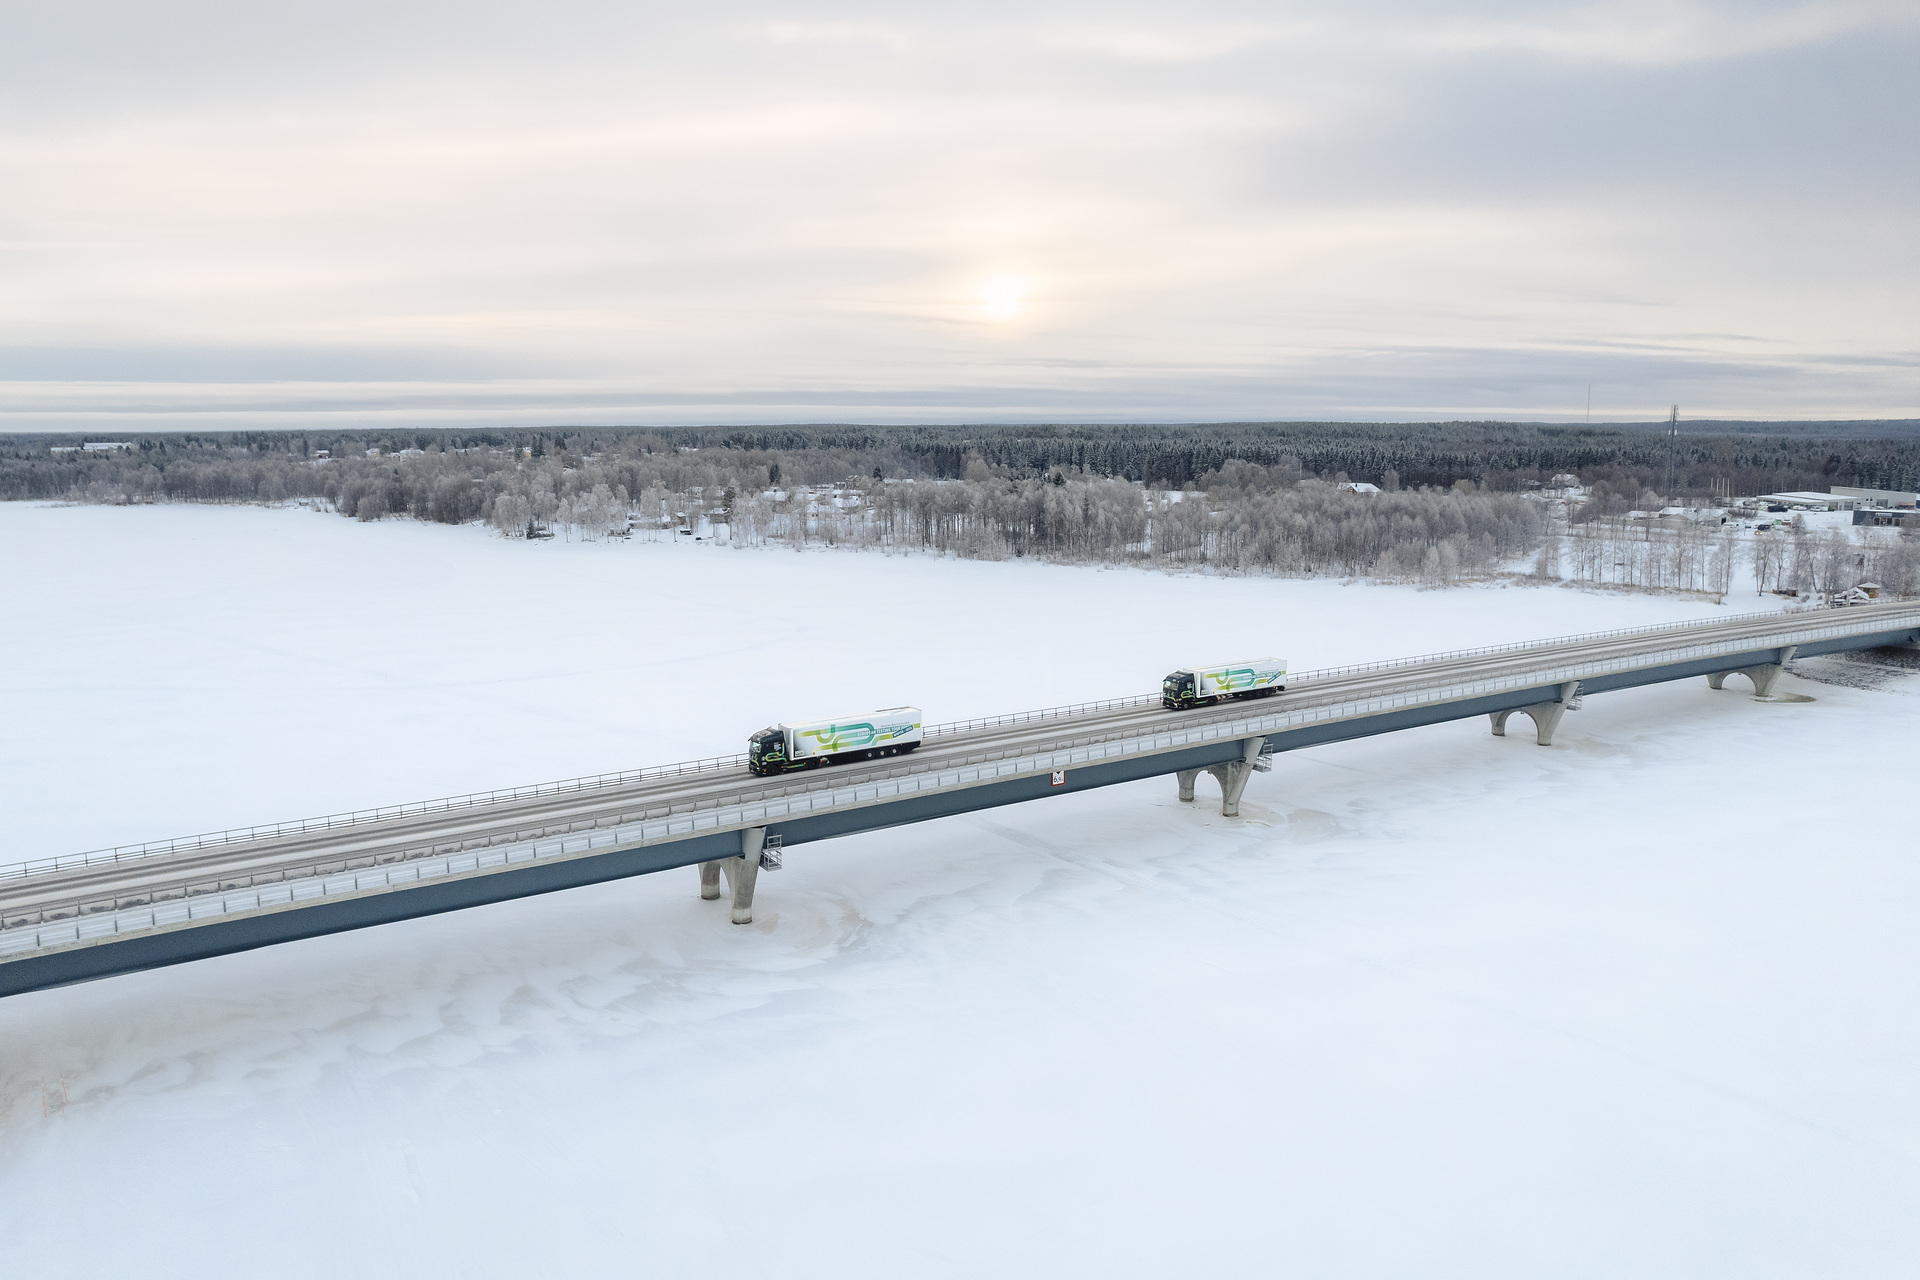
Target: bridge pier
point(1232, 775)
point(710, 881)
point(1763, 676)
point(742, 874)
point(1545, 715)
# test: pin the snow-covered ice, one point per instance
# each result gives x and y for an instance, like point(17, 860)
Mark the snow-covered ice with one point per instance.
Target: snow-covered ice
point(1439, 1004)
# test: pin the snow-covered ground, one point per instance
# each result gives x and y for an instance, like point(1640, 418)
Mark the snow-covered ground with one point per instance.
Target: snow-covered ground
point(1439, 1004)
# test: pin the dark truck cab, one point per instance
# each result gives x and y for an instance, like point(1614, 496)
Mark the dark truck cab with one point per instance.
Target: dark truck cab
point(1177, 691)
point(767, 752)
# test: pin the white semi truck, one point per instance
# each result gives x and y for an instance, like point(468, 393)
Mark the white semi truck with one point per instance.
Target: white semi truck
point(1204, 686)
point(812, 743)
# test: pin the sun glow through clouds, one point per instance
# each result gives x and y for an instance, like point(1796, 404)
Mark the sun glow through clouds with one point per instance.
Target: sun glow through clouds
point(1002, 297)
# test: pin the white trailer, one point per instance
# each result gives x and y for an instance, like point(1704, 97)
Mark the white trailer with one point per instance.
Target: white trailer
point(808, 744)
point(1202, 686)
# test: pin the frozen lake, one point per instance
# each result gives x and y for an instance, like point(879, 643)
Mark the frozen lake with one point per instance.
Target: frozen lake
point(1437, 1004)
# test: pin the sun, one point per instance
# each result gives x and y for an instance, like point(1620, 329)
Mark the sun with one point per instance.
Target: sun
point(1002, 297)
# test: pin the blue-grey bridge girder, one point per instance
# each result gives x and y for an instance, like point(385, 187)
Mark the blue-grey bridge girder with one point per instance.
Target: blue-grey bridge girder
point(154, 949)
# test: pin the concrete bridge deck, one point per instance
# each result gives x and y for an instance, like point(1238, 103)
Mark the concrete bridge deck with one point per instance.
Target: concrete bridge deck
point(118, 910)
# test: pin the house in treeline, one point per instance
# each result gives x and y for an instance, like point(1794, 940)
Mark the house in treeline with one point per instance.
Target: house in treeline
point(1693, 515)
point(1359, 486)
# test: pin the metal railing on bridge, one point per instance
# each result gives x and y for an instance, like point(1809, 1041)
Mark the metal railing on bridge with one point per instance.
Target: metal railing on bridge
point(716, 764)
point(72, 912)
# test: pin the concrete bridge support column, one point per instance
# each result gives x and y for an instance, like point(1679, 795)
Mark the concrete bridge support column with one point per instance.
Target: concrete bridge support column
point(1545, 715)
point(1763, 676)
point(1233, 775)
point(1187, 778)
point(743, 872)
point(710, 881)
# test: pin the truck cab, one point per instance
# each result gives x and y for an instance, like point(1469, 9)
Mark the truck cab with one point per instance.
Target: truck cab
point(1177, 691)
point(767, 752)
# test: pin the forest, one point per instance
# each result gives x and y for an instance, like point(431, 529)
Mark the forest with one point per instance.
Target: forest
point(1502, 456)
point(1455, 500)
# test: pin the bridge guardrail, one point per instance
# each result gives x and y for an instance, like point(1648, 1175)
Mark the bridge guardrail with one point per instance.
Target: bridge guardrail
point(102, 914)
point(78, 918)
point(329, 822)
point(186, 844)
point(1524, 645)
point(947, 728)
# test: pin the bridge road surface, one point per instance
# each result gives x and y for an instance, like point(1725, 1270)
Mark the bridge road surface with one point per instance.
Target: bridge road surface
point(112, 911)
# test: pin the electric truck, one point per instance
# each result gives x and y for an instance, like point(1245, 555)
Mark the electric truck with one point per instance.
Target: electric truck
point(810, 744)
point(1203, 686)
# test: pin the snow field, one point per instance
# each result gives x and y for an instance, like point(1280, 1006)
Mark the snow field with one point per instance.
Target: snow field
point(1438, 1004)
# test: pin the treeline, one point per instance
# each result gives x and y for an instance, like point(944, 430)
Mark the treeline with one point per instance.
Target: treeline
point(1653, 556)
point(1241, 516)
point(1833, 561)
point(1502, 456)
point(1639, 553)
point(871, 488)
point(1240, 519)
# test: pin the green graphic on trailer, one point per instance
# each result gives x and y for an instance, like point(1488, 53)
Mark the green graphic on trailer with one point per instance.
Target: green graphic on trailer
point(851, 737)
point(1238, 678)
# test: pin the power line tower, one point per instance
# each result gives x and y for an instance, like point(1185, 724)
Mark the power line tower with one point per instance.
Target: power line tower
point(1673, 443)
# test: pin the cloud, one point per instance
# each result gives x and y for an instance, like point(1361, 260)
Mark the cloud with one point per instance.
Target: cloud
point(1670, 34)
point(1630, 33)
point(855, 33)
point(627, 210)
point(1184, 43)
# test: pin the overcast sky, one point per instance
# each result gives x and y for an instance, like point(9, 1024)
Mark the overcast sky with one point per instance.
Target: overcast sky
point(216, 212)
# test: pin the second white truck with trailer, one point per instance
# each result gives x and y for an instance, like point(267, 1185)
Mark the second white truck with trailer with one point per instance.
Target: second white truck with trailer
point(1204, 686)
point(812, 743)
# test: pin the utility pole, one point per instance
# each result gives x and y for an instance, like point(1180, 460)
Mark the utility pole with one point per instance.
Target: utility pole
point(1673, 442)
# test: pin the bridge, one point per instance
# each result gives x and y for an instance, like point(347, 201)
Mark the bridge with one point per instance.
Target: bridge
point(92, 915)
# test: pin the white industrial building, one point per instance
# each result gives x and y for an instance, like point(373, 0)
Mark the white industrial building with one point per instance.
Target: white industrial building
point(1838, 498)
point(1879, 497)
